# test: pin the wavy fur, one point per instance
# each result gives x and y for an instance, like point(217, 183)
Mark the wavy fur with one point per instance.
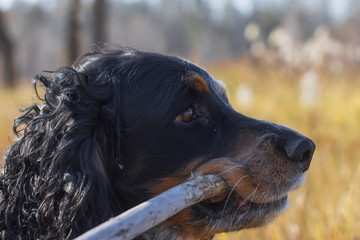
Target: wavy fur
point(56, 180)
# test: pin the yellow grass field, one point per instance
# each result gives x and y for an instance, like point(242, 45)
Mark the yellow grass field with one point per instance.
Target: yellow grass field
point(322, 105)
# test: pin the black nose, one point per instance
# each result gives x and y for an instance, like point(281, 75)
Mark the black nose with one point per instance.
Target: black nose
point(300, 149)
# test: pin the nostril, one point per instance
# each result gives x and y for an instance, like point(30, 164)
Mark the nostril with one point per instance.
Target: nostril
point(307, 155)
point(306, 159)
point(300, 150)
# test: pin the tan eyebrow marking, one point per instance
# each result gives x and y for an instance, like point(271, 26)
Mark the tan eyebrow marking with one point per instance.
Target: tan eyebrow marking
point(197, 82)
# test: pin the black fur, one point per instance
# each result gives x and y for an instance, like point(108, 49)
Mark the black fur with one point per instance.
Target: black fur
point(107, 134)
point(62, 175)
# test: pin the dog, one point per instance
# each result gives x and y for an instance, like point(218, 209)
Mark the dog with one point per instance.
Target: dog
point(121, 126)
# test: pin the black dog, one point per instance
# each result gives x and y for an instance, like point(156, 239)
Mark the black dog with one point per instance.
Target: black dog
point(119, 127)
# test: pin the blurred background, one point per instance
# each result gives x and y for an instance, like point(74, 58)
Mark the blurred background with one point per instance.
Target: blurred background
point(294, 62)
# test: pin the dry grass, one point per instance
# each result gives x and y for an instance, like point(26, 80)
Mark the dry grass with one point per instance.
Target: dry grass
point(327, 205)
point(11, 100)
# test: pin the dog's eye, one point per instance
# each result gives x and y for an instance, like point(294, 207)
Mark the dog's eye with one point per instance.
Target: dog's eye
point(187, 116)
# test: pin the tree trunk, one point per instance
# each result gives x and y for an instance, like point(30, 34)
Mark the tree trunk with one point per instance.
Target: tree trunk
point(6, 51)
point(73, 30)
point(99, 26)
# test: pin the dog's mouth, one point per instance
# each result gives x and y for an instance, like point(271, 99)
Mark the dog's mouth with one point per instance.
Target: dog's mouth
point(250, 202)
point(233, 204)
point(224, 204)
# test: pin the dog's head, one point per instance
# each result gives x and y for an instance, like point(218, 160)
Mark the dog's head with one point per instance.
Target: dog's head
point(120, 127)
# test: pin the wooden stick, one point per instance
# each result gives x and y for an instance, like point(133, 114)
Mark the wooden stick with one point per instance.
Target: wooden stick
point(144, 216)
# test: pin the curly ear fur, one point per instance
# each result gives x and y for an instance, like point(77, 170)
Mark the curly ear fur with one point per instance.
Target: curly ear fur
point(57, 175)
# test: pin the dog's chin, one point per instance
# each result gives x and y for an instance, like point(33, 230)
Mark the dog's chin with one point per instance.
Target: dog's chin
point(232, 212)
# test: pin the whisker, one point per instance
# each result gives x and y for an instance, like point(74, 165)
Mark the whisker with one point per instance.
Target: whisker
point(252, 194)
point(240, 217)
point(232, 190)
point(277, 184)
point(229, 169)
point(265, 194)
point(265, 197)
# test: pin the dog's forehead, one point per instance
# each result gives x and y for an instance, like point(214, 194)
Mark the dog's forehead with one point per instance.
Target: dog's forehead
point(196, 81)
point(219, 86)
point(201, 83)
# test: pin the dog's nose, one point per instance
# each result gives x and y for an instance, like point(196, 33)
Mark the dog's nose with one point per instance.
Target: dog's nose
point(300, 150)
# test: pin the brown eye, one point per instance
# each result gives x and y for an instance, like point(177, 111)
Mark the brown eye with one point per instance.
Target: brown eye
point(187, 116)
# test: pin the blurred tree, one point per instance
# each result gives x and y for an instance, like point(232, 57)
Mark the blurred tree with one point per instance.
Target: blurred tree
point(291, 21)
point(174, 22)
point(6, 50)
point(268, 18)
point(234, 24)
point(189, 28)
point(99, 26)
point(349, 31)
point(73, 30)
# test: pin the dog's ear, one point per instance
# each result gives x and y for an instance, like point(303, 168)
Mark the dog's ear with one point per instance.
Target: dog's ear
point(91, 148)
point(68, 150)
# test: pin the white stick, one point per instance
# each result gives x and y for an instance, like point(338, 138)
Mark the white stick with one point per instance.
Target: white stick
point(141, 218)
